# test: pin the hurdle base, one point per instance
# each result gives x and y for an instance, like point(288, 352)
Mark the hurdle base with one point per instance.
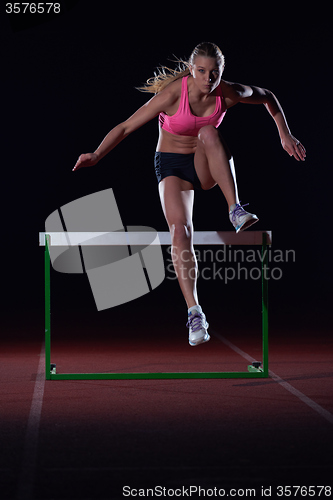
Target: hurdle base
point(255, 367)
point(157, 376)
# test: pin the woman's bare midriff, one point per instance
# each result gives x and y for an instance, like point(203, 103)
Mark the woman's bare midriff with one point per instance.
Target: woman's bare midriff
point(181, 144)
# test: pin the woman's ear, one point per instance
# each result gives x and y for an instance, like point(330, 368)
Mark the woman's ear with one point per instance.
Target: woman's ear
point(191, 69)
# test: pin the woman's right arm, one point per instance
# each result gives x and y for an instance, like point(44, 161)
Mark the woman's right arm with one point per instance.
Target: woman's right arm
point(147, 112)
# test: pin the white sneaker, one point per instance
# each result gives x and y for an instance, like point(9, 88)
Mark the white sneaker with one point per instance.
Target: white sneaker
point(241, 219)
point(198, 327)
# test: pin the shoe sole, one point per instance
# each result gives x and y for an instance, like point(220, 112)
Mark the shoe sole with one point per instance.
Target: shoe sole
point(200, 341)
point(246, 225)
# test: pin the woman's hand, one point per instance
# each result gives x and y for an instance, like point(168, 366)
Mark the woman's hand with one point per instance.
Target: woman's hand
point(293, 147)
point(86, 160)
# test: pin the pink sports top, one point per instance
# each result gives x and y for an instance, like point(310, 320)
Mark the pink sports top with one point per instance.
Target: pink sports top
point(184, 122)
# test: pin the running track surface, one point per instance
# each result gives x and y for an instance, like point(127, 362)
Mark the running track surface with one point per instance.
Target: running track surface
point(89, 439)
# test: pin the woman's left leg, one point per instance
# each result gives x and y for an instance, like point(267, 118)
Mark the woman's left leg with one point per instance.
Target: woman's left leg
point(214, 165)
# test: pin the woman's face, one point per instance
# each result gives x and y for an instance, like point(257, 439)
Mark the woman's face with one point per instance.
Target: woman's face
point(207, 73)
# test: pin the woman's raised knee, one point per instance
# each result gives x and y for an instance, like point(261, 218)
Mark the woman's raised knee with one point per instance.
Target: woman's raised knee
point(208, 135)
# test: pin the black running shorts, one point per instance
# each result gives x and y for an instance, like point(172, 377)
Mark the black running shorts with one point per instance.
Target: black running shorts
point(176, 164)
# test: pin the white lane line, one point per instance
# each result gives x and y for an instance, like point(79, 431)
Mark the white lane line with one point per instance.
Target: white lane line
point(233, 347)
point(302, 397)
point(312, 404)
point(27, 473)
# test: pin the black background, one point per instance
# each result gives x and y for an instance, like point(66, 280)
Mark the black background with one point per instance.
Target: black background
point(67, 79)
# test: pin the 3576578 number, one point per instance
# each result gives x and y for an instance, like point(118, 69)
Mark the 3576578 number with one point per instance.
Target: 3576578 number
point(304, 491)
point(32, 8)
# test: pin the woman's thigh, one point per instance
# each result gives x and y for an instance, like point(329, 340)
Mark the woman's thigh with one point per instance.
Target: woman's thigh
point(201, 161)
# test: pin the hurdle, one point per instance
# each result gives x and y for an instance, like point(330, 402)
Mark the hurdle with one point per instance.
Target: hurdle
point(258, 369)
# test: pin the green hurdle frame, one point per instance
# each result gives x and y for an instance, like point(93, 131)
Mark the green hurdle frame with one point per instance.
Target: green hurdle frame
point(256, 370)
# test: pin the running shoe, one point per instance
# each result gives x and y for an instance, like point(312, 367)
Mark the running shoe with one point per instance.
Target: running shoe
point(241, 219)
point(198, 328)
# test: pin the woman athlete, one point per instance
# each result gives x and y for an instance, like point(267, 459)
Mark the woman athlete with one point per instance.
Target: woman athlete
point(191, 103)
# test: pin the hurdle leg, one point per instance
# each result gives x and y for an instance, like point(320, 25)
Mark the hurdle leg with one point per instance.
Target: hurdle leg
point(47, 309)
point(264, 280)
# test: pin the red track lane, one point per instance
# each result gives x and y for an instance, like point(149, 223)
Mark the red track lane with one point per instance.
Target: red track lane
point(94, 437)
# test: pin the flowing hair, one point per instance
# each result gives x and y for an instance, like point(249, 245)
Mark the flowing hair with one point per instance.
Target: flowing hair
point(166, 75)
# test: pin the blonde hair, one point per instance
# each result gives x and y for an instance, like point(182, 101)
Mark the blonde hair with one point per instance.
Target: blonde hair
point(166, 75)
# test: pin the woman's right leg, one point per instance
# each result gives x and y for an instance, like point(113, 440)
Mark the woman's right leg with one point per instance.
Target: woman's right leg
point(177, 198)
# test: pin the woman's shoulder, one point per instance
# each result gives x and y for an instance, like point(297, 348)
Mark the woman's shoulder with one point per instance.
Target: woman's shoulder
point(227, 87)
point(230, 92)
point(171, 94)
point(174, 87)
point(233, 89)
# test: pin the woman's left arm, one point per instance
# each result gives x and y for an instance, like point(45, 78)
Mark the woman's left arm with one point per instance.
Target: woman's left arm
point(247, 94)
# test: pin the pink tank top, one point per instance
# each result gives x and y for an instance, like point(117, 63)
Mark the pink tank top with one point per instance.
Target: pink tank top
point(184, 122)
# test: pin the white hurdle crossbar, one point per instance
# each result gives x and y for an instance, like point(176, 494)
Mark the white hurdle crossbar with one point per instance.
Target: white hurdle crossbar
point(263, 238)
point(145, 238)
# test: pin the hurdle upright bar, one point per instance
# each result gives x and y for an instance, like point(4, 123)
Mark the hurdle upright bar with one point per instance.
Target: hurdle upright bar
point(47, 267)
point(264, 297)
point(263, 238)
